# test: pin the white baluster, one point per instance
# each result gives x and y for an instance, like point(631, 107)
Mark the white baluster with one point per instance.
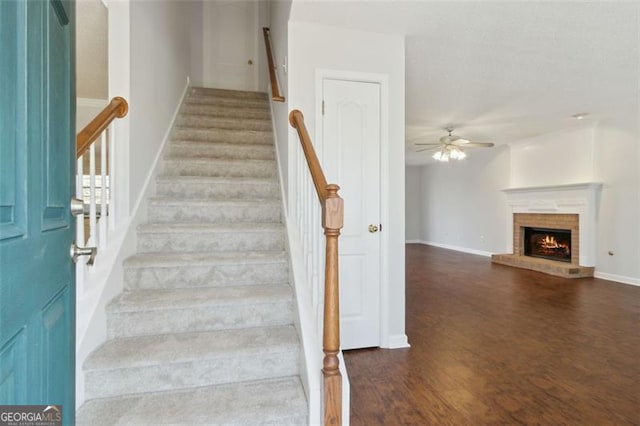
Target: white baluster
point(104, 208)
point(92, 195)
point(111, 150)
point(80, 195)
point(80, 239)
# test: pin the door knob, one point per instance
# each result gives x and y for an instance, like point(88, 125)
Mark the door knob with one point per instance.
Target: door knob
point(373, 228)
point(75, 252)
point(77, 207)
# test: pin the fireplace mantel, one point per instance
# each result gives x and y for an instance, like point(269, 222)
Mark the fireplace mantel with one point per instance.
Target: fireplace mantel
point(580, 198)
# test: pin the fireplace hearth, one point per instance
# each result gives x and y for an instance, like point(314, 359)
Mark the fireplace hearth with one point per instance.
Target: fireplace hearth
point(546, 243)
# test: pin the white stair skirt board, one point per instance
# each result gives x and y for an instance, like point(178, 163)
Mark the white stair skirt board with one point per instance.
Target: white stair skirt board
point(204, 330)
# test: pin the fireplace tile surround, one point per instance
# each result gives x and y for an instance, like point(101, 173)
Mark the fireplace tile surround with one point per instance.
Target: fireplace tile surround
point(572, 207)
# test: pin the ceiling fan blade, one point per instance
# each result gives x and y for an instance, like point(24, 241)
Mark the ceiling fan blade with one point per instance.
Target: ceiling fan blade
point(433, 148)
point(428, 144)
point(478, 145)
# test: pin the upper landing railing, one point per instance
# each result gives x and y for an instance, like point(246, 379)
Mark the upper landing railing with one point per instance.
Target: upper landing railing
point(95, 204)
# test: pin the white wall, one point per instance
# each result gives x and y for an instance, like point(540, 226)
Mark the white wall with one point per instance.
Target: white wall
point(462, 205)
point(160, 65)
point(413, 203)
point(313, 47)
point(91, 49)
point(197, 38)
point(618, 167)
point(279, 12)
point(86, 110)
point(557, 158)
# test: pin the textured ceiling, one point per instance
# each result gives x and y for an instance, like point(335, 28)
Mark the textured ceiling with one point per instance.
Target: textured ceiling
point(502, 71)
point(91, 49)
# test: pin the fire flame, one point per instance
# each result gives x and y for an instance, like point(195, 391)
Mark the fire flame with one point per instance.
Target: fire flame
point(550, 242)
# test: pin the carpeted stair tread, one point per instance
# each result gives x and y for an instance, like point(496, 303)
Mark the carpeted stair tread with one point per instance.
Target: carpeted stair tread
point(228, 93)
point(168, 299)
point(220, 201)
point(205, 228)
point(214, 209)
point(227, 101)
point(236, 162)
point(218, 269)
point(217, 188)
point(220, 150)
point(208, 122)
point(267, 402)
point(212, 110)
point(144, 260)
point(184, 347)
point(189, 166)
point(224, 135)
point(215, 237)
point(219, 180)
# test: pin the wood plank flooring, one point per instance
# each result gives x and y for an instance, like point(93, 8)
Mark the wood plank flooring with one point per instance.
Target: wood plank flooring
point(492, 344)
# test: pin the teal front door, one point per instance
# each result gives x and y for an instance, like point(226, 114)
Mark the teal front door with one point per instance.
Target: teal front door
point(37, 147)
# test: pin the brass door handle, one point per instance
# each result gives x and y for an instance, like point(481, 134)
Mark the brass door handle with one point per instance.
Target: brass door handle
point(373, 228)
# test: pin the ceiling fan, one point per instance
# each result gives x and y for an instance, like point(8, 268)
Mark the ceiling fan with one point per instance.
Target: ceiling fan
point(451, 147)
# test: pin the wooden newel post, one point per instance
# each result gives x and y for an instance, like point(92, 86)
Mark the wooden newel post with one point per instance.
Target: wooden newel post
point(332, 219)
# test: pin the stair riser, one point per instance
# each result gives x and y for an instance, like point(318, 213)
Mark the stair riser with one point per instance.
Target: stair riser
point(223, 123)
point(223, 135)
point(240, 152)
point(205, 276)
point(128, 324)
point(217, 111)
point(211, 242)
point(261, 169)
point(205, 372)
point(204, 190)
point(214, 213)
point(227, 93)
point(227, 102)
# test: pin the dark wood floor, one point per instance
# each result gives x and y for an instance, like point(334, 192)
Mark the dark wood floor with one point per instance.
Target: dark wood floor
point(492, 344)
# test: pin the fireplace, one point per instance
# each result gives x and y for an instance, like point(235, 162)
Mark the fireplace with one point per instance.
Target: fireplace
point(552, 236)
point(553, 229)
point(548, 243)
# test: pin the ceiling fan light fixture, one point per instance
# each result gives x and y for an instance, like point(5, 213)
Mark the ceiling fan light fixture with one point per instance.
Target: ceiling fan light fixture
point(449, 152)
point(457, 154)
point(443, 155)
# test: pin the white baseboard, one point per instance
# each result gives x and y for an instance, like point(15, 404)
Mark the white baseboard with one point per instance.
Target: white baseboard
point(398, 341)
point(457, 248)
point(617, 278)
point(413, 242)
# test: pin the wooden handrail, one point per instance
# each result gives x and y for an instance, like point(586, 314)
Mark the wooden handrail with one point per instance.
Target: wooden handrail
point(275, 91)
point(117, 108)
point(296, 119)
point(332, 222)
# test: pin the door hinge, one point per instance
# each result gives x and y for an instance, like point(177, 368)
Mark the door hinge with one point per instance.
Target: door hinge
point(323, 107)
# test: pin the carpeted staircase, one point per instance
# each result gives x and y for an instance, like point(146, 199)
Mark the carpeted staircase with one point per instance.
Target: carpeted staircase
point(203, 333)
